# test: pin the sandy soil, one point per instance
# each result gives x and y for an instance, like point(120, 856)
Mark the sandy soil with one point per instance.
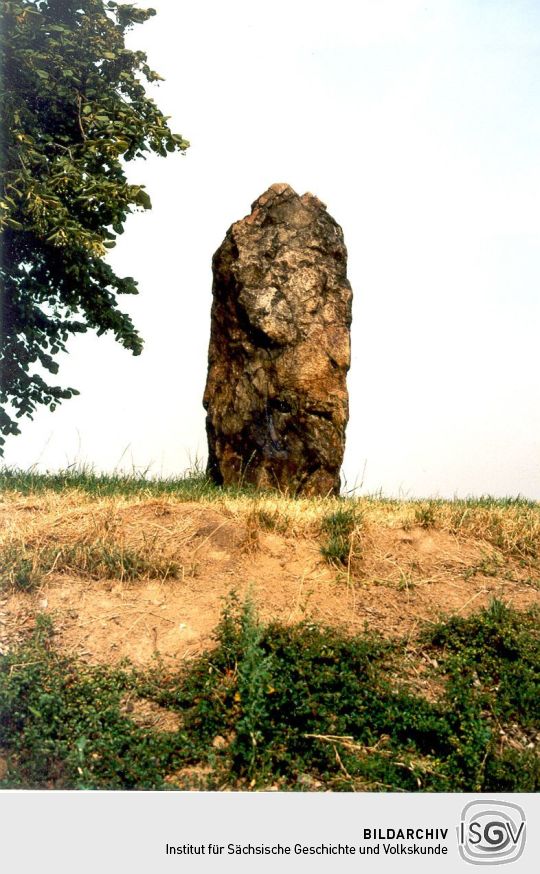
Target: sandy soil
point(399, 578)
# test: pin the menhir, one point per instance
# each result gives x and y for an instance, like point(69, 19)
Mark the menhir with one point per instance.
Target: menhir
point(276, 393)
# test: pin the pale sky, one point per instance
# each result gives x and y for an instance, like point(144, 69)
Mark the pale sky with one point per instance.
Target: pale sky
point(418, 124)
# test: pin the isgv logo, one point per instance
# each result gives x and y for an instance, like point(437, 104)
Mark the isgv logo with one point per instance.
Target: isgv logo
point(491, 832)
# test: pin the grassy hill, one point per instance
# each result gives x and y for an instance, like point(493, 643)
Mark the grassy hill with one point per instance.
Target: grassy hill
point(167, 634)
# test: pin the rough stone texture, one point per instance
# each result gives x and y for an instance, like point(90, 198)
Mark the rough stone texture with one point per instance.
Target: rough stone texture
point(276, 394)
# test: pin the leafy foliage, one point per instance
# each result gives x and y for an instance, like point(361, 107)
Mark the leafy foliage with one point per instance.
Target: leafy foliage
point(295, 707)
point(74, 109)
point(497, 653)
point(65, 726)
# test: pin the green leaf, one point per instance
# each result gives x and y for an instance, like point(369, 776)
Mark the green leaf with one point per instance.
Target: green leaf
point(142, 199)
point(64, 185)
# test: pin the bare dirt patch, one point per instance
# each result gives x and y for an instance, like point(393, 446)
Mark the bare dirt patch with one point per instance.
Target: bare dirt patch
point(148, 714)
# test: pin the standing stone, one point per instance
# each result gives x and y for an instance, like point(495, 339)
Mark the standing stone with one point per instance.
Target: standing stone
point(276, 395)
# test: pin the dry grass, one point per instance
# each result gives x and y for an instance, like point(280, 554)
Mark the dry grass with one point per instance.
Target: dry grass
point(85, 538)
point(173, 559)
point(513, 527)
point(127, 538)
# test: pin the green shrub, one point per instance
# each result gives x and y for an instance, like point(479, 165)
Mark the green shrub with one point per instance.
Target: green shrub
point(62, 725)
point(290, 706)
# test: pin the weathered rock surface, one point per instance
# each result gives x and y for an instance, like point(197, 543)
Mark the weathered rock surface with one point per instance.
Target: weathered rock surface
point(276, 395)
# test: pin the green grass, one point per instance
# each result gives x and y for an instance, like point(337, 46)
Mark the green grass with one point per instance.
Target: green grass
point(289, 707)
point(338, 529)
point(191, 486)
point(194, 484)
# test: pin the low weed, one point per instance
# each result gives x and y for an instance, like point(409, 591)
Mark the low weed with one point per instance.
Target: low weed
point(291, 707)
point(490, 566)
point(62, 725)
point(497, 652)
point(254, 684)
